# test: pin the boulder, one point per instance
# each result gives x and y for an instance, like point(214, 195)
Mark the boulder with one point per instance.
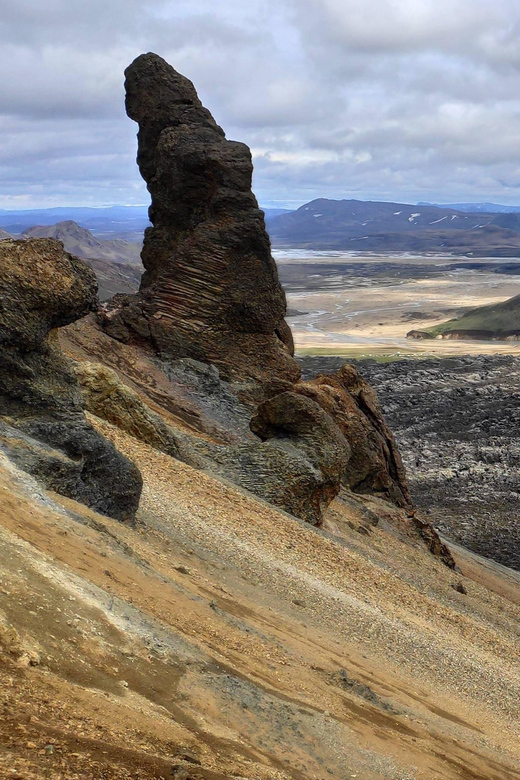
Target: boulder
point(43, 425)
point(295, 459)
point(298, 462)
point(375, 465)
point(210, 290)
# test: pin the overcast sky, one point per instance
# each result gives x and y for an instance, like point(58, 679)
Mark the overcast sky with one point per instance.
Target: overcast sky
point(400, 100)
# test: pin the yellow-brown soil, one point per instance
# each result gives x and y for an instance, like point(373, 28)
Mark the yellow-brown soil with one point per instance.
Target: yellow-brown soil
point(224, 632)
point(374, 319)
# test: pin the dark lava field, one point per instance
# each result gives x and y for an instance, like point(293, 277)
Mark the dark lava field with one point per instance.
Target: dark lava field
point(457, 423)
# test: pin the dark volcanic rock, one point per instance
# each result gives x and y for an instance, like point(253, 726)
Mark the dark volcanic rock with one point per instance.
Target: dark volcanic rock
point(375, 464)
point(42, 422)
point(457, 423)
point(299, 462)
point(210, 290)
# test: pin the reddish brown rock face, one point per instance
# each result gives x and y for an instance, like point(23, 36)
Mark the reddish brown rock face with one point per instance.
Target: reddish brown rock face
point(375, 465)
point(210, 290)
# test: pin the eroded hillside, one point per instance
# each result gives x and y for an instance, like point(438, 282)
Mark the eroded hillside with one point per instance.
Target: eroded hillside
point(223, 632)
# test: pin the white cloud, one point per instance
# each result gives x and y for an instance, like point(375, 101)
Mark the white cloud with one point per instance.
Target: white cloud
point(389, 99)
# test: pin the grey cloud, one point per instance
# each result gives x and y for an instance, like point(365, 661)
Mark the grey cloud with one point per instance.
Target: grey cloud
point(389, 99)
point(468, 27)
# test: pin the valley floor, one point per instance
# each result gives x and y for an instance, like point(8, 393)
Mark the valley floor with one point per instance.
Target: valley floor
point(222, 638)
point(365, 305)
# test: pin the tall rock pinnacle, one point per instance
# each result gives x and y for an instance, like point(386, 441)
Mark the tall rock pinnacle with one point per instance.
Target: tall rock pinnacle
point(210, 290)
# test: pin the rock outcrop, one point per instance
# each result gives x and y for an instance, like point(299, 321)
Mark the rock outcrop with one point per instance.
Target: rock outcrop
point(375, 465)
point(42, 422)
point(296, 462)
point(210, 290)
point(210, 294)
point(299, 461)
point(107, 397)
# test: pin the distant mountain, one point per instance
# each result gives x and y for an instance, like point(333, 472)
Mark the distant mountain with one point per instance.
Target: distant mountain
point(105, 222)
point(490, 208)
point(115, 277)
point(3, 235)
point(383, 227)
point(109, 221)
point(270, 214)
point(497, 321)
point(80, 241)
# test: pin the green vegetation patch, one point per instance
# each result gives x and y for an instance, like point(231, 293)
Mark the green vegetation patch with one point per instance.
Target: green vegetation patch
point(491, 321)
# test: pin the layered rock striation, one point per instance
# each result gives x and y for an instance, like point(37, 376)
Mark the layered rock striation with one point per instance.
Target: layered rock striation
point(210, 290)
point(42, 421)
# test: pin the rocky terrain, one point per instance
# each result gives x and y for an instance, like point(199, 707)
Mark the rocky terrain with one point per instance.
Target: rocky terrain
point(222, 638)
point(457, 423)
point(42, 422)
point(211, 568)
point(361, 226)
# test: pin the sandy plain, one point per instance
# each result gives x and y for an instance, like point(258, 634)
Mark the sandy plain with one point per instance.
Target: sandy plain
point(365, 305)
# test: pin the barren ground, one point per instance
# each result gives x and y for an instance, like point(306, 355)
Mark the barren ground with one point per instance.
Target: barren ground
point(224, 632)
point(364, 306)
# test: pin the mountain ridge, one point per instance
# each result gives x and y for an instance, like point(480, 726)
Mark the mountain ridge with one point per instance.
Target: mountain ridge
point(385, 226)
point(81, 242)
point(103, 221)
point(490, 208)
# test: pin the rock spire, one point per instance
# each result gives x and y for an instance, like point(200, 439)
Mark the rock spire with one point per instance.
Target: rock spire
point(210, 290)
